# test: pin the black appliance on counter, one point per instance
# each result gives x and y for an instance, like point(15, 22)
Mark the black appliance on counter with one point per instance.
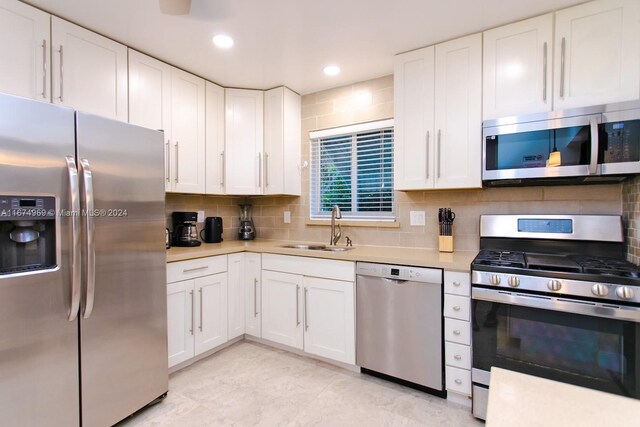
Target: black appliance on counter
point(212, 230)
point(553, 296)
point(185, 231)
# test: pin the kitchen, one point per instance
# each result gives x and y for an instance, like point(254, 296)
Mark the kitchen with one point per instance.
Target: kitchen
point(284, 217)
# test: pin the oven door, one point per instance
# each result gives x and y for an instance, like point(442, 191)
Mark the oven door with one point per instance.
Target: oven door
point(577, 342)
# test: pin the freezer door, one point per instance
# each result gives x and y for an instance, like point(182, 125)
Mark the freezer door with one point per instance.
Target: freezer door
point(39, 384)
point(124, 309)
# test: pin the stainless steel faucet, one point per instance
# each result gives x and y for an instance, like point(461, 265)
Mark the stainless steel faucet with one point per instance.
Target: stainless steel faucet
point(335, 214)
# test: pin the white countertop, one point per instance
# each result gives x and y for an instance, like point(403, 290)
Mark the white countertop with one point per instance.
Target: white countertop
point(456, 261)
point(521, 400)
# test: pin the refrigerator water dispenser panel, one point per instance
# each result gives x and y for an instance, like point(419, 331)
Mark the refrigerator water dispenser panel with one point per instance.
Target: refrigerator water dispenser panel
point(27, 234)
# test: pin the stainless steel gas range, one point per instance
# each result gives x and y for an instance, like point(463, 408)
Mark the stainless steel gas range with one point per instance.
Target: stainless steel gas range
point(552, 296)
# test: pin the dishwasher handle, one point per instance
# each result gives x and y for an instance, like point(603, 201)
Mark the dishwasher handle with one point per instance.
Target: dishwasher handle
point(395, 281)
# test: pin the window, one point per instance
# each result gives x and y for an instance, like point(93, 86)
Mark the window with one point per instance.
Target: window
point(352, 167)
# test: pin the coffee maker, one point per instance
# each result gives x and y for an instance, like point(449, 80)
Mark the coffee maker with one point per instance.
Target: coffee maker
point(185, 232)
point(247, 231)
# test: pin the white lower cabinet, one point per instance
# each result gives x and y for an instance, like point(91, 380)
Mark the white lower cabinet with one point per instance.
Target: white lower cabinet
point(282, 308)
point(253, 295)
point(196, 307)
point(236, 301)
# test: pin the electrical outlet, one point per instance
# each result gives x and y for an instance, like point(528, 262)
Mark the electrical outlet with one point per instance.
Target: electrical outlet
point(200, 216)
point(287, 217)
point(417, 218)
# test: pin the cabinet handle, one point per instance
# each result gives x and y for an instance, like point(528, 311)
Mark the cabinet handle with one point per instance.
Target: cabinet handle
point(297, 305)
point(306, 310)
point(544, 72)
point(222, 168)
point(200, 327)
point(458, 381)
point(456, 308)
point(192, 312)
point(177, 163)
point(266, 169)
point(427, 157)
point(438, 155)
point(61, 97)
point(44, 68)
point(595, 145)
point(562, 54)
point(456, 284)
point(255, 297)
point(456, 332)
point(168, 169)
point(457, 357)
point(188, 270)
point(259, 171)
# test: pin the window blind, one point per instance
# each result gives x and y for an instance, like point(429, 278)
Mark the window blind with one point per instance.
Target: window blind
point(353, 168)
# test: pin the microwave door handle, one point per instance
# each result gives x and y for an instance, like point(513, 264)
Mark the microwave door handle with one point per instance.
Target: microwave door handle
point(595, 146)
point(74, 194)
point(87, 177)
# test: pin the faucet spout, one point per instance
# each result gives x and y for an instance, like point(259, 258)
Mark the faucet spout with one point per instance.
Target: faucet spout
point(335, 214)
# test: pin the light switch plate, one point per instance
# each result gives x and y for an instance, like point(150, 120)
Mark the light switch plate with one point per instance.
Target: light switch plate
point(200, 216)
point(287, 217)
point(417, 218)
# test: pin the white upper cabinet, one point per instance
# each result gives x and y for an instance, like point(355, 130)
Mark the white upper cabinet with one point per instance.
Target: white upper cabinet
point(215, 163)
point(89, 71)
point(282, 148)
point(25, 51)
point(517, 68)
point(458, 115)
point(597, 53)
point(187, 132)
point(244, 141)
point(150, 99)
point(414, 115)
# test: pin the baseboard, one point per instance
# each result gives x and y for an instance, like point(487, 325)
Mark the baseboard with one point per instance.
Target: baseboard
point(204, 355)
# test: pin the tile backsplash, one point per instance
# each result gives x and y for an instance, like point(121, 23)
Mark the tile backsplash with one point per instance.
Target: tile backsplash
point(373, 100)
point(631, 212)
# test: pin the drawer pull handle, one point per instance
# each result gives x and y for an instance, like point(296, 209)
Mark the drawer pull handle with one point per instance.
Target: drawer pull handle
point(457, 357)
point(456, 332)
point(188, 270)
point(456, 283)
point(458, 381)
point(456, 308)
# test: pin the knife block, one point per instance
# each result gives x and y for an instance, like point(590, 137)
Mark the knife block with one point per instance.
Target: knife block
point(445, 243)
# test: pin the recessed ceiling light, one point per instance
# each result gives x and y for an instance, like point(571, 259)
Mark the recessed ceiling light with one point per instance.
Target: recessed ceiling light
point(331, 70)
point(223, 41)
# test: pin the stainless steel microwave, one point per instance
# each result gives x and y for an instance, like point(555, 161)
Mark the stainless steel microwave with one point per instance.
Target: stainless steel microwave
point(588, 145)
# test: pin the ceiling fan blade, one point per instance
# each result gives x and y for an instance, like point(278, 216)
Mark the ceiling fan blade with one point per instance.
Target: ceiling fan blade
point(175, 7)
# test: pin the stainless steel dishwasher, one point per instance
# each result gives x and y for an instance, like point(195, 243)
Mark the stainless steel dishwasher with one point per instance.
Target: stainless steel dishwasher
point(399, 323)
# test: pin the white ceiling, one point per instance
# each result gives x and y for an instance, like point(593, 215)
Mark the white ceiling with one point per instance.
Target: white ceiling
point(289, 41)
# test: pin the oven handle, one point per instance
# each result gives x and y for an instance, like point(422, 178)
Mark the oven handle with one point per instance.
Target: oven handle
point(558, 304)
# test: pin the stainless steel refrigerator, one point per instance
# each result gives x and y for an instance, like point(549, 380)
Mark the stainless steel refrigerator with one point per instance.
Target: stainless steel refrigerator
point(82, 267)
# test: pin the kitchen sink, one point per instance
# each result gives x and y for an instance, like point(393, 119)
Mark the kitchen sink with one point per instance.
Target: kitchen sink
point(317, 247)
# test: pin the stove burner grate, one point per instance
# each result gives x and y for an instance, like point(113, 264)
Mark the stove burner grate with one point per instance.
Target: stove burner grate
point(500, 258)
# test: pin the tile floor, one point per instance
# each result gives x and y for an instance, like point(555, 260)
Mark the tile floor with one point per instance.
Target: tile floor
point(251, 384)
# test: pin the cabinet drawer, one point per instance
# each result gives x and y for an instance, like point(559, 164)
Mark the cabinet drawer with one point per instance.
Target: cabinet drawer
point(457, 307)
point(310, 267)
point(457, 355)
point(458, 380)
point(457, 331)
point(457, 283)
point(184, 270)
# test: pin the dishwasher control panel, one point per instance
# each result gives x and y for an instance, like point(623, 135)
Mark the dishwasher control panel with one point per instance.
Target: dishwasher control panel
point(400, 272)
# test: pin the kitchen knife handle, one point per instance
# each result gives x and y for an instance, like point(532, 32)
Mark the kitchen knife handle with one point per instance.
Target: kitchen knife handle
point(44, 69)
point(89, 206)
point(74, 194)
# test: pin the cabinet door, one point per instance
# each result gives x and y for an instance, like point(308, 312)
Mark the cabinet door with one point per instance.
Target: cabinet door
point(253, 294)
point(236, 299)
point(517, 68)
point(25, 51)
point(150, 99)
point(89, 71)
point(329, 319)
point(180, 321)
point(413, 104)
point(458, 123)
point(597, 59)
point(187, 132)
point(210, 312)
point(282, 309)
point(214, 130)
point(244, 141)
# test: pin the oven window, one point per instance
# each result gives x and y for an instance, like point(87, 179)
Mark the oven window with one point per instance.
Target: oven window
point(587, 351)
point(532, 149)
point(620, 142)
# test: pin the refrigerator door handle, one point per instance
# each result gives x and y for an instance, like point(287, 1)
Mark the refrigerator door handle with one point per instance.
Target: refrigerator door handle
point(89, 206)
point(74, 194)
